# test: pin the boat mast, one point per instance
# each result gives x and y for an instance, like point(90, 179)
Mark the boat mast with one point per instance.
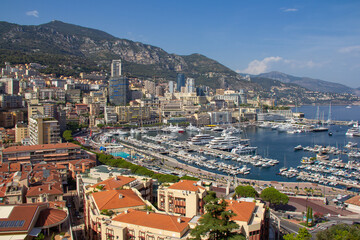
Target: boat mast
point(329, 115)
point(317, 114)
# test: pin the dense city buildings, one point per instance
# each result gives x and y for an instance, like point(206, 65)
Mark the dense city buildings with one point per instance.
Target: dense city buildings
point(90, 147)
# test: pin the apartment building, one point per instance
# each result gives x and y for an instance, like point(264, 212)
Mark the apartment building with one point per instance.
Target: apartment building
point(39, 153)
point(49, 192)
point(43, 130)
point(136, 224)
point(251, 216)
point(21, 132)
point(102, 205)
point(185, 198)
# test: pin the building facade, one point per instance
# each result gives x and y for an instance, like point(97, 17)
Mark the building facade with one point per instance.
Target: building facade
point(185, 198)
point(43, 130)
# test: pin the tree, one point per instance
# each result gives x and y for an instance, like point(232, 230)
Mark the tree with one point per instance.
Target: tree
point(246, 191)
point(67, 135)
point(274, 197)
point(303, 234)
point(216, 223)
point(340, 231)
point(210, 196)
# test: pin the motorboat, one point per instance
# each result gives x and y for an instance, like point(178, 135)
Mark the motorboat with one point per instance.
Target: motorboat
point(192, 128)
point(298, 147)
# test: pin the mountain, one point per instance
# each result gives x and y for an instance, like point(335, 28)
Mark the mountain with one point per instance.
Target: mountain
point(310, 83)
point(74, 45)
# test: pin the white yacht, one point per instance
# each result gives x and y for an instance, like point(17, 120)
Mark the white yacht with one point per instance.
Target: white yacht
point(227, 142)
point(231, 131)
point(173, 129)
point(354, 130)
point(192, 128)
point(242, 149)
point(201, 139)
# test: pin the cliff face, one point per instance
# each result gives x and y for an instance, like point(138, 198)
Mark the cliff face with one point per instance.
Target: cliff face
point(140, 59)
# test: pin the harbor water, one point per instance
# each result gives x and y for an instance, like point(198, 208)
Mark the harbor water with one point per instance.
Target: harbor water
point(279, 145)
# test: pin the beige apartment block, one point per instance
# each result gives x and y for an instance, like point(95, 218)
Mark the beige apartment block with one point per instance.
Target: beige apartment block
point(251, 216)
point(185, 198)
point(136, 224)
point(21, 132)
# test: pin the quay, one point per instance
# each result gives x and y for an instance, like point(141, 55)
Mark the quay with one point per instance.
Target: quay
point(315, 121)
point(346, 184)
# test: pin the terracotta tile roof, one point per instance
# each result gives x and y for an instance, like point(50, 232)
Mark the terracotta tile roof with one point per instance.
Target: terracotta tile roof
point(4, 167)
point(114, 199)
point(55, 204)
point(14, 167)
point(23, 212)
point(354, 200)
point(243, 210)
point(153, 220)
point(50, 188)
point(187, 185)
point(40, 147)
point(50, 217)
point(115, 182)
point(81, 161)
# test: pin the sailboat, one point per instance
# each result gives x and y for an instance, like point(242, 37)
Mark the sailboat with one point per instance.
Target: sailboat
point(329, 121)
point(283, 168)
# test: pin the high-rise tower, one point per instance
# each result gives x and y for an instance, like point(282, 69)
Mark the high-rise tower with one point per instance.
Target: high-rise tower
point(180, 79)
point(119, 93)
point(116, 68)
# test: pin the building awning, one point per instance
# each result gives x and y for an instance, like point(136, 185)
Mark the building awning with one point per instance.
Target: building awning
point(35, 232)
point(13, 237)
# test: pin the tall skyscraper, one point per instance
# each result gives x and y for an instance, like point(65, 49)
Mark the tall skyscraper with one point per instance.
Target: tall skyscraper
point(119, 93)
point(190, 85)
point(171, 86)
point(116, 68)
point(180, 79)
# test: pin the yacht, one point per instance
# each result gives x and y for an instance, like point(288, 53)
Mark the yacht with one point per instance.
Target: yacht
point(354, 130)
point(217, 129)
point(231, 131)
point(192, 128)
point(242, 149)
point(265, 125)
point(201, 139)
point(173, 129)
point(227, 142)
point(298, 147)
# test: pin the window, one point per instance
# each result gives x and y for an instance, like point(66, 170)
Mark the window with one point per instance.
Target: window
point(131, 234)
point(141, 235)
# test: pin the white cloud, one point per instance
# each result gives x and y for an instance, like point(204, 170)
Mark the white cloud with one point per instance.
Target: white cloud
point(257, 67)
point(350, 49)
point(290, 9)
point(267, 64)
point(33, 13)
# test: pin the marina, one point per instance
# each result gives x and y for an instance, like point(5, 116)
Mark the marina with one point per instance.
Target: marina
point(264, 151)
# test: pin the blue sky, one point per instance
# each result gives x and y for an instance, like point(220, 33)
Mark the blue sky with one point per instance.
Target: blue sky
point(318, 39)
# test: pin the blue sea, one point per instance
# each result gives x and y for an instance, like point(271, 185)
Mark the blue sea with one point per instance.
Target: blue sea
point(280, 145)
